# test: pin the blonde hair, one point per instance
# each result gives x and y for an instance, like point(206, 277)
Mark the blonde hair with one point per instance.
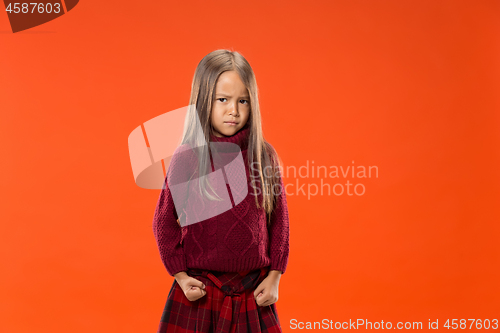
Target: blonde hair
point(259, 152)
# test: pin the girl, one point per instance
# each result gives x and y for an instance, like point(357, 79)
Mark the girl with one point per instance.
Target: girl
point(228, 247)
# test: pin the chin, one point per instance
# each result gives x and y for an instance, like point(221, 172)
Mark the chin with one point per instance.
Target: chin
point(231, 132)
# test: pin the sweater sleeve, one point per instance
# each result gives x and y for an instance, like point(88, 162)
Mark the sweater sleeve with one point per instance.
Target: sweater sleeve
point(166, 229)
point(279, 231)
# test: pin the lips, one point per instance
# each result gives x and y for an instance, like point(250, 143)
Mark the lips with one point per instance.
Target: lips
point(231, 122)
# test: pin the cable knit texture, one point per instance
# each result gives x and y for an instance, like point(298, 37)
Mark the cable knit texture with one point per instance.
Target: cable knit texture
point(234, 241)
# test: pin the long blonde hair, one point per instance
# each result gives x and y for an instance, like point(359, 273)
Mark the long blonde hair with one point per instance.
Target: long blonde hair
point(199, 117)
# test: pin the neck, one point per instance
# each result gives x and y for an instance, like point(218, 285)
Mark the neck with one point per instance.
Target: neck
point(240, 138)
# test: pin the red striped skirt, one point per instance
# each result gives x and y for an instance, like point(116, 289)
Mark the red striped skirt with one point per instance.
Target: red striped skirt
point(229, 305)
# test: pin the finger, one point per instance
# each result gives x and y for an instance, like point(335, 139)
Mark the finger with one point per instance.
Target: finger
point(201, 291)
point(261, 300)
point(194, 293)
point(258, 291)
point(197, 283)
point(266, 303)
point(197, 290)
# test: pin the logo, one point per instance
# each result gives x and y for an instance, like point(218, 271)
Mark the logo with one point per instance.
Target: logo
point(155, 145)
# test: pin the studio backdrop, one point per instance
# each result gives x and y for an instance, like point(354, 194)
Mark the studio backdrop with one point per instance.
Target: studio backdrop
point(385, 114)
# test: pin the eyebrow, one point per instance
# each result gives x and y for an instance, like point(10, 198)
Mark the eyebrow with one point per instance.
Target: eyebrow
point(246, 96)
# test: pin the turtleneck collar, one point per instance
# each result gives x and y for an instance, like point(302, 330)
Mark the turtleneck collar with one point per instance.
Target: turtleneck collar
point(240, 138)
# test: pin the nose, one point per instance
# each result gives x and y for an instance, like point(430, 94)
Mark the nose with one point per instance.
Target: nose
point(233, 111)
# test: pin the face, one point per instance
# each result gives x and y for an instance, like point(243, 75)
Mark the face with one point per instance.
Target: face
point(231, 107)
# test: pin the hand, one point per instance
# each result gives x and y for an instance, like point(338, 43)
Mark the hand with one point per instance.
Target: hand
point(266, 292)
point(193, 288)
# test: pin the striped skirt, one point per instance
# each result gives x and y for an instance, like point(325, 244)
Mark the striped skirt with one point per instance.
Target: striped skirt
point(229, 305)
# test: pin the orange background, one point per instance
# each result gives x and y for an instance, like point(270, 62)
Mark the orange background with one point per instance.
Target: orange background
point(411, 87)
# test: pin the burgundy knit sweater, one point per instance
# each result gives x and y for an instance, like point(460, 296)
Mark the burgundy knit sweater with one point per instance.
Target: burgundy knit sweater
point(233, 241)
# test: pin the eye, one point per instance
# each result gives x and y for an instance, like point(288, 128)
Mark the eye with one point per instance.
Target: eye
point(221, 98)
point(244, 100)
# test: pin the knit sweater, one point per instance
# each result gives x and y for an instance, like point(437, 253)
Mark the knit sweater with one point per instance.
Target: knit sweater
point(235, 240)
